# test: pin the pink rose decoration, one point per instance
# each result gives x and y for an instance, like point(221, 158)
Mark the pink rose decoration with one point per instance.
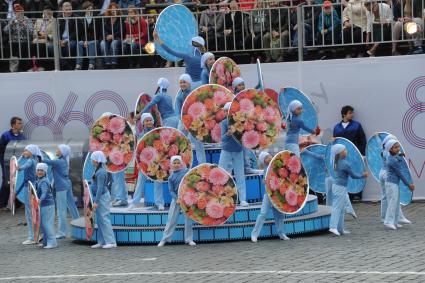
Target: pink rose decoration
point(219, 69)
point(283, 173)
point(214, 209)
point(246, 106)
point(166, 136)
point(274, 183)
point(294, 164)
point(95, 144)
point(291, 197)
point(117, 138)
point(148, 155)
point(216, 133)
point(250, 139)
point(248, 126)
point(220, 98)
point(220, 115)
point(210, 124)
point(262, 127)
point(165, 164)
point(202, 186)
point(174, 150)
point(196, 110)
point(218, 190)
point(218, 176)
point(270, 114)
point(105, 137)
point(116, 157)
point(190, 198)
point(116, 125)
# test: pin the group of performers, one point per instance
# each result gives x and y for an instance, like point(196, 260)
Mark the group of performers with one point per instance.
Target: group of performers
point(233, 158)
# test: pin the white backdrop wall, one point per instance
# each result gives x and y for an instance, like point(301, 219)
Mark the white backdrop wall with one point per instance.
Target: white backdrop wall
point(388, 94)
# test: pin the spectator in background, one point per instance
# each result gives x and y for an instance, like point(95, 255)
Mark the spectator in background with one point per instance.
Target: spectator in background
point(256, 24)
point(209, 25)
point(247, 5)
point(43, 34)
point(113, 31)
point(127, 4)
point(6, 6)
point(329, 25)
point(136, 35)
point(351, 130)
point(19, 30)
point(88, 29)
point(379, 19)
point(277, 36)
point(13, 134)
point(230, 19)
point(311, 16)
point(412, 11)
point(67, 34)
point(355, 25)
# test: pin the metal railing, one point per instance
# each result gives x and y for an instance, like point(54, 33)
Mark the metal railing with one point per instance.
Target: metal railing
point(272, 29)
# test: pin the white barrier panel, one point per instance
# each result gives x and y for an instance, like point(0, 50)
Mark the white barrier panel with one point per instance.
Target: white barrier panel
point(387, 94)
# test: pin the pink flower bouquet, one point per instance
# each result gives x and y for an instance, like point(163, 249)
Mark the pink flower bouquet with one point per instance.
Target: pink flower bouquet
point(142, 101)
point(113, 135)
point(223, 72)
point(202, 112)
point(287, 183)
point(88, 211)
point(254, 119)
point(155, 149)
point(208, 195)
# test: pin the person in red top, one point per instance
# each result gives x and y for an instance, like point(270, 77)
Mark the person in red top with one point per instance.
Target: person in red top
point(136, 34)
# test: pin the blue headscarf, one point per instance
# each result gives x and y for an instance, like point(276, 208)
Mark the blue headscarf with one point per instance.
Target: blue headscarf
point(335, 150)
point(291, 108)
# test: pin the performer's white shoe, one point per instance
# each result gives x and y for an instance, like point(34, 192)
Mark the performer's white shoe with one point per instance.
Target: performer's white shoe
point(253, 239)
point(390, 226)
point(192, 243)
point(109, 246)
point(97, 246)
point(346, 232)
point(399, 226)
point(284, 237)
point(335, 232)
point(244, 204)
point(29, 242)
point(161, 244)
point(405, 221)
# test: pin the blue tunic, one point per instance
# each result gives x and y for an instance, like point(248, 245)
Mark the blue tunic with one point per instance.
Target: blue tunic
point(343, 171)
point(205, 76)
point(29, 170)
point(174, 181)
point(192, 61)
point(228, 143)
point(180, 98)
point(60, 174)
point(99, 185)
point(294, 128)
point(44, 192)
point(164, 103)
point(394, 175)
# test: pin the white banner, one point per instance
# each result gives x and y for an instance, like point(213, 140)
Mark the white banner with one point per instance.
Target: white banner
point(388, 94)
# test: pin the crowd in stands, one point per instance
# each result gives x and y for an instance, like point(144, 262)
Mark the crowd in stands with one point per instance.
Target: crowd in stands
point(113, 33)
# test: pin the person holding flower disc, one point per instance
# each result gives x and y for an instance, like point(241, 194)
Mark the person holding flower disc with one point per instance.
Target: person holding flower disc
point(147, 121)
point(265, 159)
point(238, 85)
point(342, 170)
point(185, 83)
point(101, 203)
point(207, 61)
point(392, 181)
point(179, 170)
point(164, 103)
point(231, 157)
point(294, 125)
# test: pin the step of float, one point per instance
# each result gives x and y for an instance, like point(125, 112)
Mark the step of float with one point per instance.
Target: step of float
point(254, 190)
point(150, 216)
point(318, 221)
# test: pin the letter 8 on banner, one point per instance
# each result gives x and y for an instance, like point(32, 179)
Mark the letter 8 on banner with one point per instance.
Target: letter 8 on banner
point(67, 113)
point(416, 107)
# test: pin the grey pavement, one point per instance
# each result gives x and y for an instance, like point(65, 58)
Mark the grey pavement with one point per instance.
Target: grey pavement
point(369, 254)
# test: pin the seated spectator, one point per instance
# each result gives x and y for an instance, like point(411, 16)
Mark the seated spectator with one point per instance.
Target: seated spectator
point(379, 19)
point(113, 30)
point(311, 16)
point(230, 19)
point(67, 35)
point(277, 36)
point(209, 25)
point(43, 33)
point(257, 28)
point(89, 31)
point(329, 25)
point(19, 31)
point(412, 11)
point(136, 35)
point(354, 30)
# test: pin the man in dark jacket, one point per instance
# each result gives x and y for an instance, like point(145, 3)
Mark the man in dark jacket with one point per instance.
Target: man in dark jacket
point(14, 134)
point(89, 36)
point(68, 37)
